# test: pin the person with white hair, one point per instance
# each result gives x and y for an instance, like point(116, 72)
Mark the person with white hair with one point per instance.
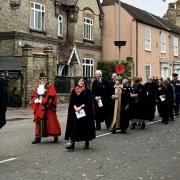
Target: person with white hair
point(99, 92)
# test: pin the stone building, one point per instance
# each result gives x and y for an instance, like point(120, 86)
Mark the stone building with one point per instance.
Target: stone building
point(59, 37)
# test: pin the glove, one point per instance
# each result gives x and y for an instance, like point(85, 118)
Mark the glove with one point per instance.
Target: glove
point(40, 101)
point(36, 101)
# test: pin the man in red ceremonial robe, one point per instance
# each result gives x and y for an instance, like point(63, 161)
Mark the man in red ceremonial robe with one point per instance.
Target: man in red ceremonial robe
point(44, 103)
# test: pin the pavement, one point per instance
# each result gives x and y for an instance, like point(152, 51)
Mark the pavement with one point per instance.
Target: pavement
point(14, 114)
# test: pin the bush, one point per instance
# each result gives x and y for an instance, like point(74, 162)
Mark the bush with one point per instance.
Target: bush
point(108, 67)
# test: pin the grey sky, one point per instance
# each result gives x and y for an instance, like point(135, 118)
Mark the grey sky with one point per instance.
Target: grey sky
point(157, 7)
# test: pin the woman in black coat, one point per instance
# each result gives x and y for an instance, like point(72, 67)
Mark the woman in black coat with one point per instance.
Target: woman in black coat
point(125, 106)
point(80, 128)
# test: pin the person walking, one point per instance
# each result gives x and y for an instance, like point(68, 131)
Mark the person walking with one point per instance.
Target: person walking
point(125, 106)
point(4, 99)
point(166, 100)
point(100, 93)
point(117, 105)
point(176, 84)
point(80, 120)
point(44, 104)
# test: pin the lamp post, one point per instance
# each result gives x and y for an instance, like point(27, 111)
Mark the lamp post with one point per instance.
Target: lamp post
point(119, 43)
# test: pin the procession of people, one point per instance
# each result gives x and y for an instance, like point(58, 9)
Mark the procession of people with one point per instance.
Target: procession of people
point(117, 102)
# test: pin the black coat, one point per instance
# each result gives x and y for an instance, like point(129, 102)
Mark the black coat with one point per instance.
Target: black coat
point(138, 108)
point(81, 129)
point(100, 89)
point(166, 105)
point(3, 102)
point(125, 107)
point(150, 99)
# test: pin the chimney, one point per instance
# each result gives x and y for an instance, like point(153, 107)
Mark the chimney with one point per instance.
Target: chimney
point(171, 13)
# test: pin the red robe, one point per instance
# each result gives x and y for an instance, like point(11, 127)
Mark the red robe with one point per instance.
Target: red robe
point(45, 117)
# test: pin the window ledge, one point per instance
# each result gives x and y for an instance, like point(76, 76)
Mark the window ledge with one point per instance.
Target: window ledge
point(37, 30)
point(148, 50)
point(87, 40)
point(60, 37)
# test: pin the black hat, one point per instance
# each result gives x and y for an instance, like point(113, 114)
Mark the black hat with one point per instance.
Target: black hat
point(174, 74)
point(42, 74)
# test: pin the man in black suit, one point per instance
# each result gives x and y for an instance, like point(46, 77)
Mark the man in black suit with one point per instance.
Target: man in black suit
point(99, 91)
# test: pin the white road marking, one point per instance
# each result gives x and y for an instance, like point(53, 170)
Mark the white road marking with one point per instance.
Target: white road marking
point(118, 130)
point(7, 160)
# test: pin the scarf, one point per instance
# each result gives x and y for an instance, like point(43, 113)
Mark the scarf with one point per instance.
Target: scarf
point(78, 90)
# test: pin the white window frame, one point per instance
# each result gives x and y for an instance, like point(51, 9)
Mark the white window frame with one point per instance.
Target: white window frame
point(163, 42)
point(147, 39)
point(37, 17)
point(60, 26)
point(175, 46)
point(88, 68)
point(88, 28)
point(148, 65)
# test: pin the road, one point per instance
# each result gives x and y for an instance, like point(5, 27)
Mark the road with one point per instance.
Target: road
point(153, 153)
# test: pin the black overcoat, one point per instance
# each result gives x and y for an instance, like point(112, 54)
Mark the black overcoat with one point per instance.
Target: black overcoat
point(82, 129)
point(125, 107)
point(100, 89)
point(3, 102)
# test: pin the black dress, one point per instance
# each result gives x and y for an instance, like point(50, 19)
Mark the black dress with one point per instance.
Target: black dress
point(82, 129)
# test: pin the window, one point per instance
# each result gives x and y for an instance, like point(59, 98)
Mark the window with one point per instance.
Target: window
point(88, 67)
point(147, 39)
point(37, 16)
point(148, 70)
point(175, 46)
point(163, 42)
point(88, 28)
point(60, 26)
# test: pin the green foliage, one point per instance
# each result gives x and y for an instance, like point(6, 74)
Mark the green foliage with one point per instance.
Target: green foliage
point(108, 67)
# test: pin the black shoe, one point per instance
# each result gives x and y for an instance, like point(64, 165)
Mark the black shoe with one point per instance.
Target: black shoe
point(123, 132)
point(55, 139)
point(36, 141)
point(70, 147)
point(113, 131)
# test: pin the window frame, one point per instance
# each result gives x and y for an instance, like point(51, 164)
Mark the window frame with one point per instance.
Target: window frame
point(33, 21)
point(88, 67)
point(88, 29)
point(163, 42)
point(150, 73)
point(60, 26)
point(175, 46)
point(147, 39)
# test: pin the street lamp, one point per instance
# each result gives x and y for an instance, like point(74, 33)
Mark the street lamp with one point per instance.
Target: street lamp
point(119, 43)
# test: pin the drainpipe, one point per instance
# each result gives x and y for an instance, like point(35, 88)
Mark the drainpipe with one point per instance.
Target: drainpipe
point(137, 48)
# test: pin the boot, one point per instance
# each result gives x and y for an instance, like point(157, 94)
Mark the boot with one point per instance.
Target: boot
point(36, 141)
point(86, 145)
